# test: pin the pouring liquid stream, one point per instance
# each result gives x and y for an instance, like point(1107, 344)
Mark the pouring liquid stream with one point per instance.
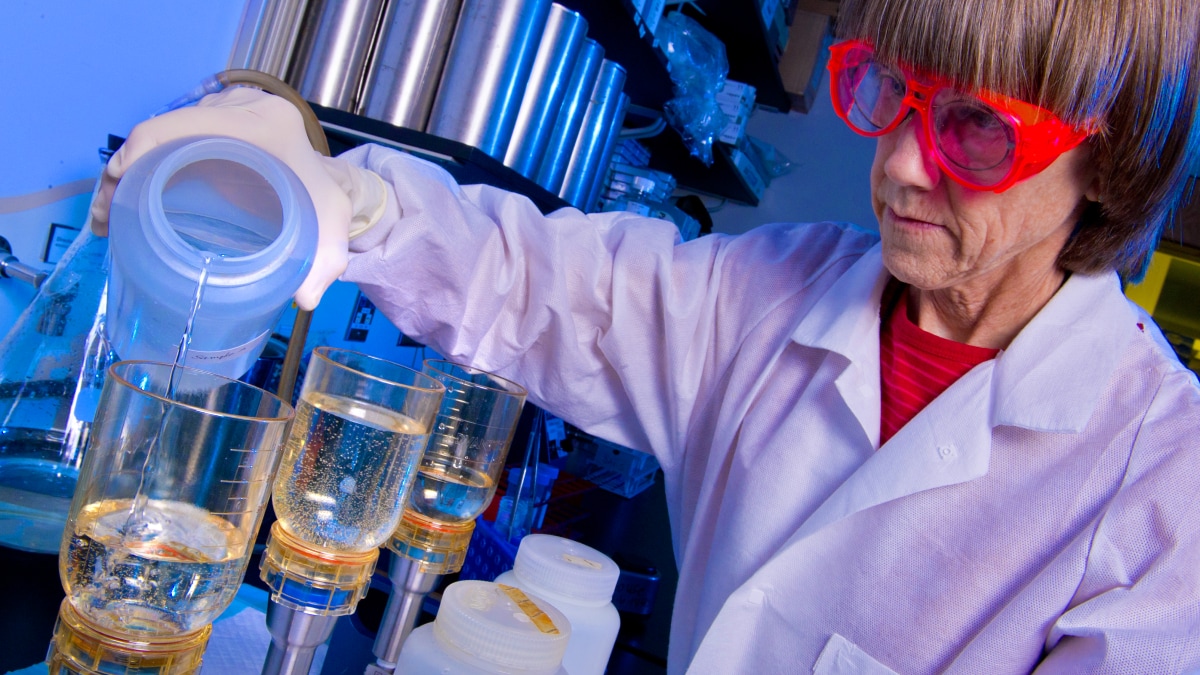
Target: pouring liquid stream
point(140, 528)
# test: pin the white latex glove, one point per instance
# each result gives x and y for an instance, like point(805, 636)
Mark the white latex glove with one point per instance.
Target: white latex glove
point(348, 200)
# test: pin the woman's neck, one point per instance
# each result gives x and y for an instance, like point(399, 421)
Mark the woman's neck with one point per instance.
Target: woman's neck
point(987, 314)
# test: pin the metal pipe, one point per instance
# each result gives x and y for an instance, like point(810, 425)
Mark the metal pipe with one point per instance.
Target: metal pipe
point(547, 87)
point(487, 66)
point(407, 61)
point(610, 145)
point(334, 47)
point(12, 268)
point(295, 637)
point(569, 118)
point(267, 35)
point(597, 122)
point(410, 585)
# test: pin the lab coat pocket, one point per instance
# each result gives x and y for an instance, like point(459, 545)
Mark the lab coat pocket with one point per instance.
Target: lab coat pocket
point(842, 657)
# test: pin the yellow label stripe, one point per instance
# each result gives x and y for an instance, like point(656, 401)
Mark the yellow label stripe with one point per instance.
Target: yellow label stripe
point(536, 615)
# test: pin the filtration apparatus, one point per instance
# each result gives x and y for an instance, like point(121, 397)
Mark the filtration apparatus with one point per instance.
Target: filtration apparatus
point(456, 481)
point(362, 424)
point(162, 525)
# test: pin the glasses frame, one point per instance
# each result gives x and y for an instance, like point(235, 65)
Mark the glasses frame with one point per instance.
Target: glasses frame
point(1038, 136)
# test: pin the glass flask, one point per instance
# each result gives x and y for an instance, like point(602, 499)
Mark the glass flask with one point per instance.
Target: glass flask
point(348, 466)
point(461, 468)
point(170, 496)
point(52, 365)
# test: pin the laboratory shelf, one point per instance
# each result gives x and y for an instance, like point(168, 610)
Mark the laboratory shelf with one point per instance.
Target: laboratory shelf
point(468, 165)
point(626, 41)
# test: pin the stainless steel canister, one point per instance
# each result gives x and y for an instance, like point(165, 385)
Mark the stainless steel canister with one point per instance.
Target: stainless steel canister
point(331, 57)
point(612, 137)
point(489, 62)
point(406, 63)
point(593, 134)
point(267, 35)
point(547, 86)
point(557, 154)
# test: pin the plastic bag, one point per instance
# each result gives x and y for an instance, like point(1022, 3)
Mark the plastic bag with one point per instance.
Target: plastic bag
point(768, 158)
point(698, 70)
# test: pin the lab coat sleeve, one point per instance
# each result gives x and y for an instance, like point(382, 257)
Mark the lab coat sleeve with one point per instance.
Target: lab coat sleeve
point(602, 317)
point(1137, 608)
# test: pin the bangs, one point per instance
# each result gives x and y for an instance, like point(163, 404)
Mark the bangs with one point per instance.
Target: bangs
point(1052, 53)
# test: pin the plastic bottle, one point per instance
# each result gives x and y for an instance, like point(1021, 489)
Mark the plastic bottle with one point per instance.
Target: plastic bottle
point(485, 628)
point(211, 225)
point(579, 581)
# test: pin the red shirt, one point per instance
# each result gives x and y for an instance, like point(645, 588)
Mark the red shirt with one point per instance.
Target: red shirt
point(916, 366)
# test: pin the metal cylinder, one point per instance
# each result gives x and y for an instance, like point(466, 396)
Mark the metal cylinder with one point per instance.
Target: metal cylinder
point(593, 134)
point(406, 63)
point(489, 61)
point(410, 585)
point(553, 165)
point(331, 56)
point(613, 136)
point(267, 35)
point(295, 637)
point(547, 86)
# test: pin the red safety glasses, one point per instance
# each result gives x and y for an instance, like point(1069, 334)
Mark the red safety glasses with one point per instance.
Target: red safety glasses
point(983, 141)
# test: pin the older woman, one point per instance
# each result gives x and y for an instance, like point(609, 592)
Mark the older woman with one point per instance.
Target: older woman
point(949, 446)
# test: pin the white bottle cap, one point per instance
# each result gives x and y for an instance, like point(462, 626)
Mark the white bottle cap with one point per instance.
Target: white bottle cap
point(566, 568)
point(501, 626)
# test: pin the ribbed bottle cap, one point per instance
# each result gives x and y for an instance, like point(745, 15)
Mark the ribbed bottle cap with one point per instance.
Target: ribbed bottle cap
point(567, 568)
point(499, 625)
point(439, 548)
point(314, 580)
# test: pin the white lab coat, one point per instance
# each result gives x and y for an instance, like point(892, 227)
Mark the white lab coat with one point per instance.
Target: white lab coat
point(1043, 512)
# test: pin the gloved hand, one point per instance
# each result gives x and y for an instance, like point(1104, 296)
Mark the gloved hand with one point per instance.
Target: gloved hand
point(348, 200)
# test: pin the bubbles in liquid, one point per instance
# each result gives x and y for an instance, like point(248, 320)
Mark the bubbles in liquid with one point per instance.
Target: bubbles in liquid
point(170, 568)
point(450, 493)
point(346, 472)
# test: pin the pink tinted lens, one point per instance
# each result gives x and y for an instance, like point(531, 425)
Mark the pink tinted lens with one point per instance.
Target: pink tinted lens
point(872, 96)
point(976, 143)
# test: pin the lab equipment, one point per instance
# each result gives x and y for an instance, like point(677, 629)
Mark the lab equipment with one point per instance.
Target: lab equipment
point(163, 521)
point(485, 628)
point(210, 239)
point(332, 51)
point(362, 424)
point(602, 115)
point(407, 61)
point(552, 168)
point(11, 267)
point(456, 482)
point(579, 581)
point(553, 64)
point(487, 66)
point(52, 366)
point(534, 486)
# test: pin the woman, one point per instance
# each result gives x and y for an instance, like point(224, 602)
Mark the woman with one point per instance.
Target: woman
point(951, 446)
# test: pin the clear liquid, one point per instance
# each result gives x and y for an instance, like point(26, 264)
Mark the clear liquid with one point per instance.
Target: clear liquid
point(36, 486)
point(450, 494)
point(346, 472)
point(174, 570)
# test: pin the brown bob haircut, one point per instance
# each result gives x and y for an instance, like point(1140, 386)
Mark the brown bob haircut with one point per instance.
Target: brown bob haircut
point(1128, 68)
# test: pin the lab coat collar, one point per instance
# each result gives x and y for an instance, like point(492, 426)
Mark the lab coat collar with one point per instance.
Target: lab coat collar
point(1052, 375)
point(846, 319)
point(1049, 379)
point(940, 446)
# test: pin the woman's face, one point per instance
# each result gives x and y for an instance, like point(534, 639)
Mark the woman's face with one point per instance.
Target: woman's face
point(940, 235)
